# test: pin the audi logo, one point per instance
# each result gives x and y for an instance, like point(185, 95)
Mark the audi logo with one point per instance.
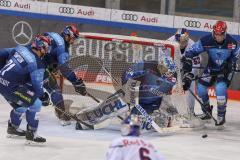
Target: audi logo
point(67, 10)
point(5, 3)
point(193, 24)
point(129, 17)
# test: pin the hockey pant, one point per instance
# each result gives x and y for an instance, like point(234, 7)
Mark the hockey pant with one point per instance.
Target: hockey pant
point(221, 92)
point(23, 100)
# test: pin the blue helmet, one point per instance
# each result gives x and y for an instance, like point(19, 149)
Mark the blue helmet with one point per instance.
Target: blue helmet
point(71, 31)
point(41, 43)
point(182, 34)
point(131, 126)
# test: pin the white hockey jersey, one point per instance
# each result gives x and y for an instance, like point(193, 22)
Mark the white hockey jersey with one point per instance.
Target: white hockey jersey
point(196, 60)
point(196, 63)
point(132, 148)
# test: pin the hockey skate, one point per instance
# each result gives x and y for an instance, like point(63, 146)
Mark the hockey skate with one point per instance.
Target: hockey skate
point(33, 138)
point(220, 122)
point(207, 113)
point(13, 131)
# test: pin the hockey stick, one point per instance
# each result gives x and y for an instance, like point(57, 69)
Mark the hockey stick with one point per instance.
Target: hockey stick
point(73, 116)
point(214, 119)
point(94, 98)
point(140, 109)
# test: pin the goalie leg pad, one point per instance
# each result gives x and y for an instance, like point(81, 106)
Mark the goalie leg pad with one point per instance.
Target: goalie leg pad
point(110, 108)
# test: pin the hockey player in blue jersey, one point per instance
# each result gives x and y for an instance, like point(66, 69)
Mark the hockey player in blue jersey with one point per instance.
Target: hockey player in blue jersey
point(154, 76)
point(57, 59)
point(157, 79)
point(21, 84)
point(223, 52)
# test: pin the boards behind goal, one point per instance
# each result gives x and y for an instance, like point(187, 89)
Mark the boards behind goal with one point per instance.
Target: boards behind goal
point(116, 53)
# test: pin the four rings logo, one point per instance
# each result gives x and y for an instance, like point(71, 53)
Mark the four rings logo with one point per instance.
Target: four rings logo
point(193, 24)
point(67, 10)
point(129, 17)
point(4, 3)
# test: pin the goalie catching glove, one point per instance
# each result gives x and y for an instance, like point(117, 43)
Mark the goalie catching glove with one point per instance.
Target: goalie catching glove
point(80, 87)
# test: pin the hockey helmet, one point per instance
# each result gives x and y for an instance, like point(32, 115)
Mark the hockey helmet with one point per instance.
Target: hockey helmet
point(219, 31)
point(42, 43)
point(220, 28)
point(182, 36)
point(71, 31)
point(131, 126)
point(166, 66)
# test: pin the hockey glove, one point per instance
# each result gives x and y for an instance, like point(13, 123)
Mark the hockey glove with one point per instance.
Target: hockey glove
point(187, 64)
point(187, 80)
point(80, 87)
point(228, 67)
point(45, 99)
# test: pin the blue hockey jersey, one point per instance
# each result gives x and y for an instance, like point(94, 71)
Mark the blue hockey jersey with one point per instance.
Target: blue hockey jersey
point(23, 66)
point(59, 56)
point(151, 80)
point(219, 54)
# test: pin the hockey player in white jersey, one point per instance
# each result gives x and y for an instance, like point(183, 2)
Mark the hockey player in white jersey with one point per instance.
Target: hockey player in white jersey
point(182, 37)
point(130, 146)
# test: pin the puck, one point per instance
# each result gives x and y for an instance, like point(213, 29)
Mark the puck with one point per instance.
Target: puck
point(204, 136)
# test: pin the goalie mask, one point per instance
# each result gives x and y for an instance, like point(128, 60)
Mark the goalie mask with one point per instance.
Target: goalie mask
point(131, 126)
point(182, 37)
point(166, 66)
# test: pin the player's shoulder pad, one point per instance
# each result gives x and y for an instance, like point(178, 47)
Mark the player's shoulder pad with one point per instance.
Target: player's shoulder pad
point(207, 40)
point(230, 39)
point(26, 54)
point(56, 38)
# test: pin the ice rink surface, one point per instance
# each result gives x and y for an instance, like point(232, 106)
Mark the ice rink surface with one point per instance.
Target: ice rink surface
point(66, 143)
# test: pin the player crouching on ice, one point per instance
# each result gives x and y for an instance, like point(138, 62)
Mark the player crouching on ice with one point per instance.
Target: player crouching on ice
point(130, 145)
point(157, 79)
point(58, 59)
point(21, 84)
point(223, 52)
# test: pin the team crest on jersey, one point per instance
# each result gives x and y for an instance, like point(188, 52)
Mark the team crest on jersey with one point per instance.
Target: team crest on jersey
point(231, 46)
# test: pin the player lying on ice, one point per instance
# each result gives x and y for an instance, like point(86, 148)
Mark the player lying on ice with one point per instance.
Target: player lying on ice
point(223, 52)
point(130, 145)
point(21, 84)
point(57, 60)
point(156, 79)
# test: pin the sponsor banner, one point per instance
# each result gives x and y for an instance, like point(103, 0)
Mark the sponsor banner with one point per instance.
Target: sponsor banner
point(79, 11)
point(202, 24)
point(232, 94)
point(24, 6)
point(142, 18)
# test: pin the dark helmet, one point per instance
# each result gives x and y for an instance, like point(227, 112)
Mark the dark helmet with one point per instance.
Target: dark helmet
point(71, 31)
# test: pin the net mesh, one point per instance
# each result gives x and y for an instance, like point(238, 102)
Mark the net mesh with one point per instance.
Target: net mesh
point(116, 53)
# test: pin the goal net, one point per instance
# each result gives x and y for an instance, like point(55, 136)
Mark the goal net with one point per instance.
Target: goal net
point(116, 53)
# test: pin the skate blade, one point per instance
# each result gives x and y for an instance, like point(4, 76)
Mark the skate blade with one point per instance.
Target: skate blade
point(13, 136)
point(32, 143)
point(221, 127)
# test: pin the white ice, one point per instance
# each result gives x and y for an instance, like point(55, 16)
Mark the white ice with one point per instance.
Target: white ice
point(66, 143)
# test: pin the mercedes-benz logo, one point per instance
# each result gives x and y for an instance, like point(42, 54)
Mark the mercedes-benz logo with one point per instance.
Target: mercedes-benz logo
point(22, 33)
